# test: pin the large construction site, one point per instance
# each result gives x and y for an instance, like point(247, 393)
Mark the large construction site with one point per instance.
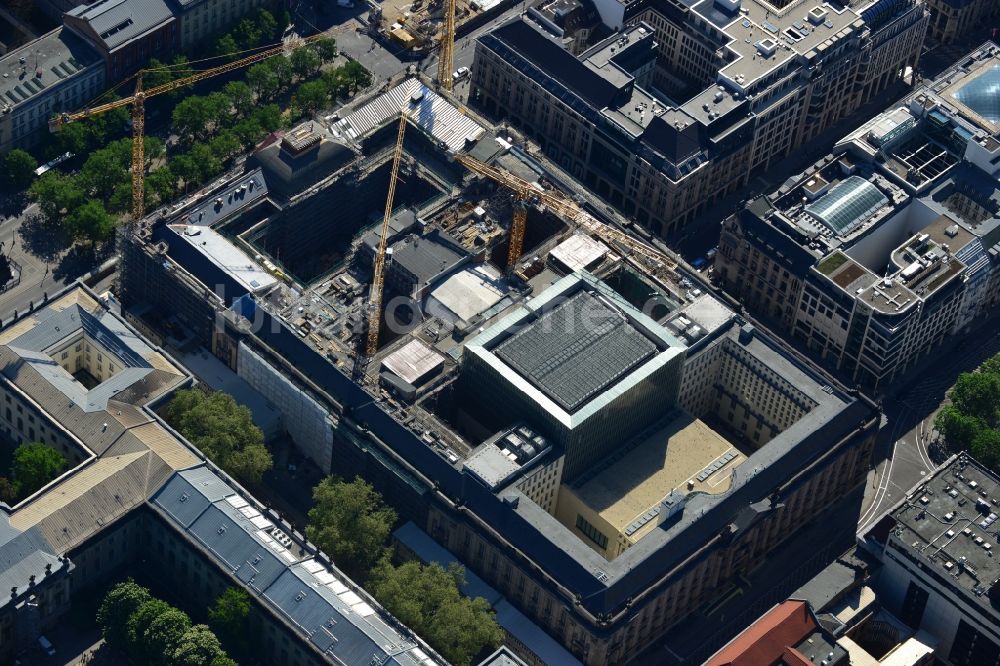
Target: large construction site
point(406, 283)
point(419, 24)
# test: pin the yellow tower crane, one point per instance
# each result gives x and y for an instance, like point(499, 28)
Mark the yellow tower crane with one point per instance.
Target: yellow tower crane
point(566, 208)
point(378, 279)
point(446, 58)
point(137, 102)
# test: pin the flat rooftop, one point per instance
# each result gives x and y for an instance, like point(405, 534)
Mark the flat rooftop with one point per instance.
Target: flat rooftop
point(979, 94)
point(47, 60)
point(225, 256)
point(428, 111)
point(413, 362)
point(764, 40)
point(950, 522)
point(628, 485)
point(577, 349)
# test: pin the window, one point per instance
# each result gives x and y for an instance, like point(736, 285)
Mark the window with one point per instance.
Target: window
point(591, 532)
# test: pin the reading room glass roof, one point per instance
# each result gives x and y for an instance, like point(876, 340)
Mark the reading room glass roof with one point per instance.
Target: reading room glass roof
point(847, 204)
point(982, 94)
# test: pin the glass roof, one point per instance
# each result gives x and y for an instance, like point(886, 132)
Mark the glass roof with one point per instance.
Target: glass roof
point(982, 94)
point(847, 204)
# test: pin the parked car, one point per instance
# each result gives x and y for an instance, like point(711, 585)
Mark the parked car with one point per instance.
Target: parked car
point(460, 73)
point(46, 646)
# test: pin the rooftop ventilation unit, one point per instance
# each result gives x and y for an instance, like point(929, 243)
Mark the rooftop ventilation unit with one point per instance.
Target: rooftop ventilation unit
point(817, 15)
point(766, 47)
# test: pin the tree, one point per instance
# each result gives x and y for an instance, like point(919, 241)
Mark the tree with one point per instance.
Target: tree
point(326, 47)
point(121, 199)
point(249, 132)
point(91, 222)
point(428, 600)
point(104, 127)
point(226, 46)
point(156, 73)
point(19, 169)
point(305, 61)
point(117, 607)
point(220, 109)
point(311, 96)
point(56, 194)
point(72, 138)
point(208, 164)
point(282, 70)
point(153, 149)
point(8, 490)
point(978, 394)
point(268, 117)
point(240, 97)
point(192, 117)
point(356, 75)
point(268, 26)
point(247, 34)
point(350, 523)
point(228, 615)
point(162, 185)
point(137, 625)
point(197, 646)
point(985, 447)
point(263, 81)
point(163, 635)
point(186, 169)
point(223, 430)
point(335, 81)
point(34, 465)
point(107, 168)
point(972, 422)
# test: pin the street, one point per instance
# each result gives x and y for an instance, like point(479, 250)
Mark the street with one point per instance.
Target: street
point(901, 457)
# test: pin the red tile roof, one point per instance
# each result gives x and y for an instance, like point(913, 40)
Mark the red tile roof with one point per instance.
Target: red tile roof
point(771, 639)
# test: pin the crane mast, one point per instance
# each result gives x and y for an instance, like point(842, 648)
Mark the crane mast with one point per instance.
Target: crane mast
point(446, 58)
point(138, 152)
point(517, 226)
point(378, 279)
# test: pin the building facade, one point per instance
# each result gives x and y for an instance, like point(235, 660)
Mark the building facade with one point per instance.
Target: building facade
point(879, 253)
point(951, 20)
point(939, 574)
point(126, 33)
point(56, 72)
point(608, 116)
point(202, 20)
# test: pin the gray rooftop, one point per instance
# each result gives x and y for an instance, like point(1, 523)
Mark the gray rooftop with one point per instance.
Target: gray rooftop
point(23, 555)
point(950, 524)
point(48, 60)
point(577, 349)
point(117, 22)
point(428, 111)
point(427, 256)
point(238, 195)
point(317, 601)
point(792, 33)
point(101, 326)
